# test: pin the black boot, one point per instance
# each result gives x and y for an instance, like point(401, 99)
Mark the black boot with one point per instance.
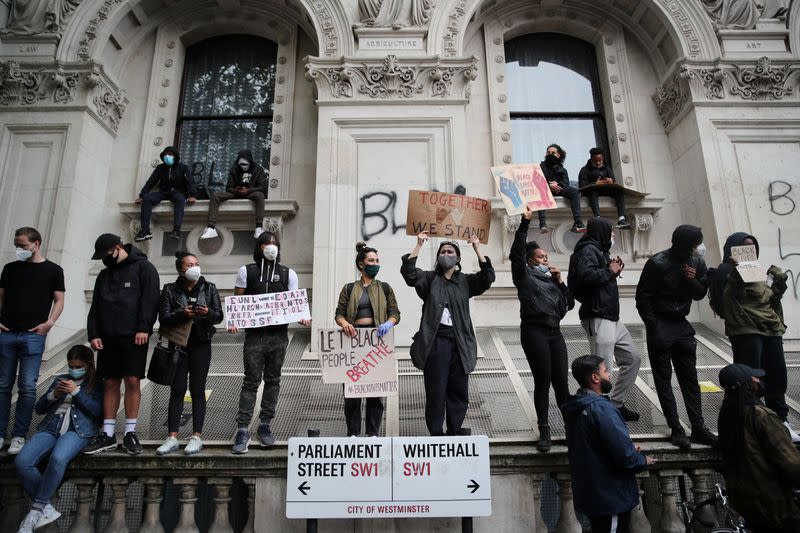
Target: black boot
point(544, 443)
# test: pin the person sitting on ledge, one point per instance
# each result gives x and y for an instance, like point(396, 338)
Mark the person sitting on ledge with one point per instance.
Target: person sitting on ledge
point(246, 179)
point(174, 182)
point(557, 177)
point(597, 172)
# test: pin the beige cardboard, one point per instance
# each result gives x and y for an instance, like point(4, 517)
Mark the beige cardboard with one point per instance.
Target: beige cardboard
point(451, 216)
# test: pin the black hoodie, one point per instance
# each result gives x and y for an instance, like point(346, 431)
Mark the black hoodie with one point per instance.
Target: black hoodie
point(663, 292)
point(590, 280)
point(718, 277)
point(589, 174)
point(125, 298)
point(555, 172)
point(170, 178)
point(256, 179)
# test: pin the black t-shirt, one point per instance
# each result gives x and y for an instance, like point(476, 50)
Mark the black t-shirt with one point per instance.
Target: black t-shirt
point(28, 293)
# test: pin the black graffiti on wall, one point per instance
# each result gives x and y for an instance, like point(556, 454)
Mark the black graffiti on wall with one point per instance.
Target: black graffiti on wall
point(782, 204)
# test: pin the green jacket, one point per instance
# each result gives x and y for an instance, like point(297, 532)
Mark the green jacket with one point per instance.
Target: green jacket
point(754, 308)
point(760, 485)
point(381, 297)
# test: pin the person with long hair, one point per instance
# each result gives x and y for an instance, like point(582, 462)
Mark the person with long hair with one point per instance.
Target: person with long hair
point(558, 179)
point(445, 348)
point(760, 464)
point(367, 303)
point(544, 299)
point(73, 406)
point(190, 298)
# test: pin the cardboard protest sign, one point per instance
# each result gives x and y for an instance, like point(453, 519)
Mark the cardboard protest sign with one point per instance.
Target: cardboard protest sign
point(453, 216)
point(272, 309)
point(747, 263)
point(523, 185)
point(366, 363)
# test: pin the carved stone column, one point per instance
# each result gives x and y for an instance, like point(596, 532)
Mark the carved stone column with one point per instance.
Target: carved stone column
point(83, 510)
point(567, 520)
point(642, 226)
point(187, 499)
point(670, 517)
point(153, 494)
point(117, 523)
point(222, 497)
point(702, 490)
point(639, 521)
point(538, 520)
point(251, 507)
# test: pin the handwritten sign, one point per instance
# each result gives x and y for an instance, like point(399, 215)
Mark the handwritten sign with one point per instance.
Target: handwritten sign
point(523, 185)
point(748, 266)
point(272, 309)
point(453, 216)
point(366, 363)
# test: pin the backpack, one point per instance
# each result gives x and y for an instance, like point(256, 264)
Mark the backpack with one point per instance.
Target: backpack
point(385, 286)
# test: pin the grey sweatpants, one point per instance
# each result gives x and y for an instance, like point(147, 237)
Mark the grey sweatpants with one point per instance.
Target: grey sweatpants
point(612, 341)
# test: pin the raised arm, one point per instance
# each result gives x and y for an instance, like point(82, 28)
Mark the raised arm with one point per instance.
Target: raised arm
point(483, 279)
point(517, 254)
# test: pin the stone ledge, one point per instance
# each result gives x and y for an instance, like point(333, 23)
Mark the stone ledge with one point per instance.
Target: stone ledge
point(232, 213)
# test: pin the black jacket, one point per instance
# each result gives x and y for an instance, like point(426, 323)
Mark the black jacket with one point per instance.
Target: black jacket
point(590, 174)
point(555, 172)
point(175, 298)
point(436, 291)
point(663, 292)
point(256, 179)
point(125, 298)
point(591, 281)
point(170, 178)
point(541, 299)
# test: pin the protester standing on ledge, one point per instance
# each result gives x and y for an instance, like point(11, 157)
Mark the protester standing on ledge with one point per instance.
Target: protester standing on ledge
point(558, 179)
point(597, 172)
point(544, 299)
point(602, 459)
point(445, 348)
point(670, 280)
point(367, 303)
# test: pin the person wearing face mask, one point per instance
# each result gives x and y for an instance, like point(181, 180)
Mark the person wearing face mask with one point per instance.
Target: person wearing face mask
point(445, 348)
point(670, 280)
point(120, 322)
point(593, 278)
point(760, 464)
point(558, 179)
point(367, 303)
point(264, 348)
point(544, 299)
point(603, 460)
point(171, 180)
point(31, 300)
point(72, 407)
point(246, 179)
point(597, 172)
point(190, 297)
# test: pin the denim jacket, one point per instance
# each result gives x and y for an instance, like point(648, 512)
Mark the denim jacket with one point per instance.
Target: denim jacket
point(86, 412)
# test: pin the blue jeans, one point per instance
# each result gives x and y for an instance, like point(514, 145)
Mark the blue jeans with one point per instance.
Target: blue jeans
point(62, 449)
point(25, 350)
point(154, 198)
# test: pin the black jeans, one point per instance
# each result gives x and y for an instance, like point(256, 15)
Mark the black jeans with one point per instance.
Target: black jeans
point(264, 352)
point(604, 524)
point(760, 351)
point(574, 196)
point(672, 343)
point(352, 415)
point(195, 362)
point(446, 388)
point(154, 198)
point(546, 352)
point(616, 194)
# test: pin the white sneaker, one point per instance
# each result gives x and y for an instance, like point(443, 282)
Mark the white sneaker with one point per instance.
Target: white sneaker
point(209, 233)
point(792, 433)
point(194, 445)
point(16, 445)
point(49, 515)
point(169, 446)
point(30, 521)
point(257, 233)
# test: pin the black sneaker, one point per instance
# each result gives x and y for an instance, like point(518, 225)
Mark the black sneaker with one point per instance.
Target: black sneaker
point(679, 439)
point(174, 234)
point(628, 415)
point(623, 224)
point(143, 235)
point(100, 443)
point(578, 227)
point(265, 435)
point(545, 442)
point(704, 436)
point(131, 444)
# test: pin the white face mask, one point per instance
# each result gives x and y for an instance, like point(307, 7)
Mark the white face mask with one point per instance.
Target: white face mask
point(271, 252)
point(700, 251)
point(192, 273)
point(23, 254)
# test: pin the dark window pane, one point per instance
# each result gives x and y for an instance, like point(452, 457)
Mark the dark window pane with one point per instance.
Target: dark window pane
point(530, 138)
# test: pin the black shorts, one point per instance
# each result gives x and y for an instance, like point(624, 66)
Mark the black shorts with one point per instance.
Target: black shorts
point(121, 358)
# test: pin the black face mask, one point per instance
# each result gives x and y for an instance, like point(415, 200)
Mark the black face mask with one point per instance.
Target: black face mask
point(551, 159)
point(759, 389)
point(109, 260)
point(605, 386)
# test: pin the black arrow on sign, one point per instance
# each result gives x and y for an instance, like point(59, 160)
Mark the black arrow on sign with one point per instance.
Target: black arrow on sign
point(474, 486)
point(304, 488)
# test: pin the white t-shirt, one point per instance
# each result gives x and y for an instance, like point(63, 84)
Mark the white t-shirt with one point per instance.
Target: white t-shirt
point(447, 318)
point(241, 278)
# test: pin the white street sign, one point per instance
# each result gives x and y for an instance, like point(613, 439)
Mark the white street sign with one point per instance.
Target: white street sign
point(388, 477)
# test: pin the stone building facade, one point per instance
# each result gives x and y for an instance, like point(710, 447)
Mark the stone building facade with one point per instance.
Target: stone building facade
point(350, 103)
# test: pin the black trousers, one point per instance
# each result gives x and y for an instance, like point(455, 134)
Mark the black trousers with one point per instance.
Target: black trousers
point(616, 194)
point(195, 364)
point(546, 352)
point(574, 196)
point(446, 388)
point(671, 343)
point(760, 351)
point(606, 524)
point(352, 416)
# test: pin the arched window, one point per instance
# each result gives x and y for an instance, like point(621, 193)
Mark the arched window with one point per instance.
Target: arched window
point(226, 105)
point(554, 97)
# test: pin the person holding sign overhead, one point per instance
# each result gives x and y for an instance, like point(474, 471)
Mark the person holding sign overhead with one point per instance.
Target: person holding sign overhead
point(264, 348)
point(367, 303)
point(445, 348)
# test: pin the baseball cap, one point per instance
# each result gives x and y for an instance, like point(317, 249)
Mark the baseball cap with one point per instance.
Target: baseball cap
point(733, 375)
point(104, 243)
